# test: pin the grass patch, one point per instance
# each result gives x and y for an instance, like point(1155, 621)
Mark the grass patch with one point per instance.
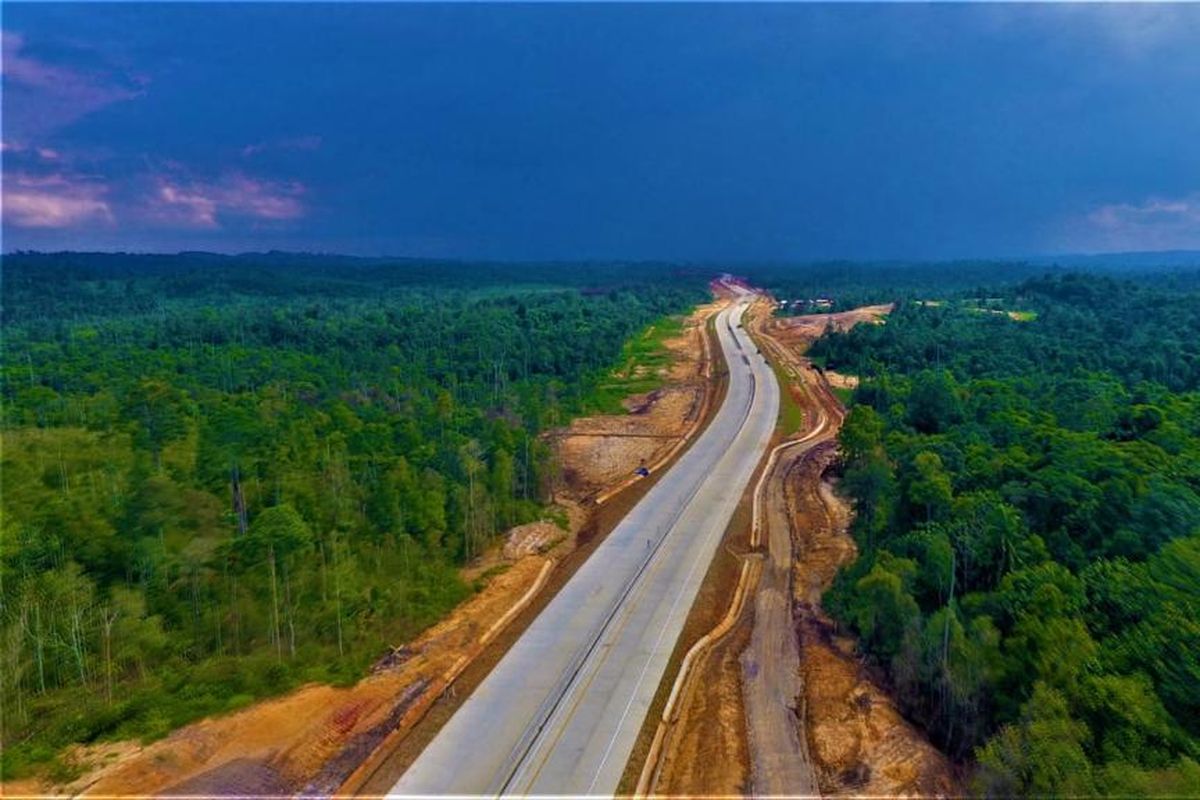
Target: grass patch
point(845, 396)
point(639, 368)
point(1018, 316)
point(791, 415)
point(558, 515)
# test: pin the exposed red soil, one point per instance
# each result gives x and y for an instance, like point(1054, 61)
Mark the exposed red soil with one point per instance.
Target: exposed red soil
point(600, 452)
point(315, 738)
point(857, 741)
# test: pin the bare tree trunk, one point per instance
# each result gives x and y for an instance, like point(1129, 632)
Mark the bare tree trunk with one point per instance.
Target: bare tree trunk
point(77, 647)
point(239, 500)
point(40, 648)
point(290, 609)
point(275, 604)
point(108, 616)
point(237, 616)
point(337, 591)
point(14, 644)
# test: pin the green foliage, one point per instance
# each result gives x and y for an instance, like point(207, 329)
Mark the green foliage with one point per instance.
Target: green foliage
point(639, 368)
point(224, 477)
point(1028, 515)
point(791, 413)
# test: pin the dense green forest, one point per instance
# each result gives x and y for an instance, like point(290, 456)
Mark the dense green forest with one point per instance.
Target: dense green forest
point(849, 284)
point(224, 476)
point(1028, 518)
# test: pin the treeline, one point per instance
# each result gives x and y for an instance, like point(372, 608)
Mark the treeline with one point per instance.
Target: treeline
point(212, 494)
point(1028, 518)
point(855, 283)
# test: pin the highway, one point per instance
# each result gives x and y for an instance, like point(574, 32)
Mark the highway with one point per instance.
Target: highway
point(561, 711)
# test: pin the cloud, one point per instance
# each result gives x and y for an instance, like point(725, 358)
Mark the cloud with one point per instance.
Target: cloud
point(310, 142)
point(1155, 223)
point(56, 189)
point(185, 205)
point(1137, 30)
point(54, 201)
point(1126, 31)
point(198, 203)
point(42, 97)
point(22, 150)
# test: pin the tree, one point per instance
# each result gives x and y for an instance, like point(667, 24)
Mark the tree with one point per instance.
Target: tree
point(275, 535)
point(884, 609)
point(1042, 755)
point(933, 403)
point(158, 414)
point(930, 485)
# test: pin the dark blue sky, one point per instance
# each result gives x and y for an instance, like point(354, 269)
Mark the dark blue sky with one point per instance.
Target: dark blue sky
point(603, 131)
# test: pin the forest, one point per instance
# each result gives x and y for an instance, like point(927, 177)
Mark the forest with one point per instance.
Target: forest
point(1027, 496)
point(224, 476)
point(848, 284)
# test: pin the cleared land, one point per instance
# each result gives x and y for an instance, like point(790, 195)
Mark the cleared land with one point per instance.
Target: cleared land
point(786, 708)
point(563, 708)
point(316, 738)
point(600, 453)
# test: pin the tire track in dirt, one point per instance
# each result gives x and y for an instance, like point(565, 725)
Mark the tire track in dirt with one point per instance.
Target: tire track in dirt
point(784, 705)
point(858, 742)
point(771, 683)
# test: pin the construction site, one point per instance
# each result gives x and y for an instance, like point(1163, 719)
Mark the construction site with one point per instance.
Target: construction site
point(763, 694)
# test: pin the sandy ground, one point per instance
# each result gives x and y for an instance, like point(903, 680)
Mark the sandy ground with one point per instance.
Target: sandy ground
point(602, 451)
point(840, 381)
point(781, 666)
point(315, 738)
point(708, 754)
point(803, 330)
point(858, 742)
point(311, 738)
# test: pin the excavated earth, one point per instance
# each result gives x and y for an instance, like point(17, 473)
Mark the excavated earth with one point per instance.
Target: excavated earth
point(600, 452)
point(846, 736)
point(323, 740)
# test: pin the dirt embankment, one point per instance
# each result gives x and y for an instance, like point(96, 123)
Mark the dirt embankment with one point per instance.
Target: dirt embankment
point(860, 744)
point(599, 454)
point(801, 331)
point(785, 703)
point(319, 739)
point(703, 746)
point(857, 740)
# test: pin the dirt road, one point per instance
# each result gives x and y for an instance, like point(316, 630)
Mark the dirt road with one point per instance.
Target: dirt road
point(771, 685)
point(857, 742)
point(786, 707)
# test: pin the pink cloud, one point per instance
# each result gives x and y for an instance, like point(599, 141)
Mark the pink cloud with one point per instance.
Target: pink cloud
point(54, 201)
point(1156, 223)
point(45, 97)
point(201, 204)
point(19, 148)
point(185, 205)
point(310, 142)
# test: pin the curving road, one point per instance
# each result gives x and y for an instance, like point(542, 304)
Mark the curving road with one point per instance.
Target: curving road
point(561, 711)
point(771, 686)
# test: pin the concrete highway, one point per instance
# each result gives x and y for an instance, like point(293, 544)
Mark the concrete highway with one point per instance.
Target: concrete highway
point(561, 711)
